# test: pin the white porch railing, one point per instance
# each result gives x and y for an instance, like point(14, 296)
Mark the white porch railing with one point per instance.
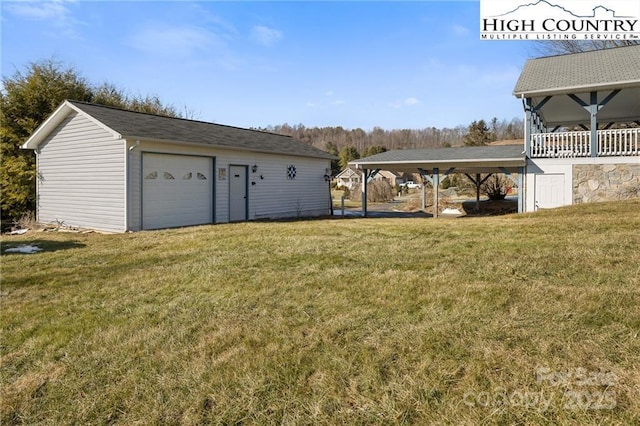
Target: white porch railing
point(612, 142)
point(617, 142)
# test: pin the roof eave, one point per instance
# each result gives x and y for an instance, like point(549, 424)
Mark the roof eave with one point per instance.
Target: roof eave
point(328, 157)
point(45, 128)
point(467, 163)
point(577, 89)
point(54, 120)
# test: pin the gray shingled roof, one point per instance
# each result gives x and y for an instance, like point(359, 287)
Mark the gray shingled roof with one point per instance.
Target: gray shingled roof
point(439, 155)
point(132, 124)
point(599, 69)
point(480, 159)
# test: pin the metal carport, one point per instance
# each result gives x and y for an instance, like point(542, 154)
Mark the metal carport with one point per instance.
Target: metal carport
point(432, 164)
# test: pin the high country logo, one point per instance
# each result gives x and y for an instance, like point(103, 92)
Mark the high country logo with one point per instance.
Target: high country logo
point(546, 20)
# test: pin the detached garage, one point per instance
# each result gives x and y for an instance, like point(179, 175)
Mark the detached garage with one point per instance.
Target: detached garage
point(116, 170)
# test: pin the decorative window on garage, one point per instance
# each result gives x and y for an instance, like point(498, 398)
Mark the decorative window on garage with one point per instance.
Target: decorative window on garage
point(168, 176)
point(152, 175)
point(201, 176)
point(291, 172)
point(187, 176)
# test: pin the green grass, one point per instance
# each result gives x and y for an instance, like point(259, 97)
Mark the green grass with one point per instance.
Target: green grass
point(336, 197)
point(352, 321)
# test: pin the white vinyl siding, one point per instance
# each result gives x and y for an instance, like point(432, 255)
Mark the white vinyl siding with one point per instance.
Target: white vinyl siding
point(277, 196)
point(81, 176)
point(272, 197)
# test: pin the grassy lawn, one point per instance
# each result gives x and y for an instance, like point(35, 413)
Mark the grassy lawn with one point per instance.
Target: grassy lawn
point(522, 319)
point(336, 196)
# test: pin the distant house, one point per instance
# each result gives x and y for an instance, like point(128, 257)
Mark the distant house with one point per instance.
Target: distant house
point(351, 178)
point(348, 178)
point(116, 170)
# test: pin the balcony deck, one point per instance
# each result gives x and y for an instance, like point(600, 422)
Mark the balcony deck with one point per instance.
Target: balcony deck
point(611, 143)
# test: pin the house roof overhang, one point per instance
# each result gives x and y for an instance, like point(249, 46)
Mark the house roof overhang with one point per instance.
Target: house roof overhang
point(580, 74)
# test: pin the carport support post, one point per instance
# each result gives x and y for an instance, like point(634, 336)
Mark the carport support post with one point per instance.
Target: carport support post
point(436, 184)
point(519, 184)
point(364, 192)
point(521, 189)
point(478, 192)
point(425, 178)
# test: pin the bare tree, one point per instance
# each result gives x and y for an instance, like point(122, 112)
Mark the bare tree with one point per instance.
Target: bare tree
point(560, 47)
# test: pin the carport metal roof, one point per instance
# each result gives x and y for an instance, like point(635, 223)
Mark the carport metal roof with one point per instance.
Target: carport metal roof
point(476, 159)
point(433, 163)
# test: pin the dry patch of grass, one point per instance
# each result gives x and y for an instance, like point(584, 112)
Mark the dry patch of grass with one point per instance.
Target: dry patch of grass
point(524, 319)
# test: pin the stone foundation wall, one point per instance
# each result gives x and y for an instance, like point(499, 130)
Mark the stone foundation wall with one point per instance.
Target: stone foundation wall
point(605, 182)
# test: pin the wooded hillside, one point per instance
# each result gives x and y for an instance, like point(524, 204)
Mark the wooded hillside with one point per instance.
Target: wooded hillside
point(429, 137)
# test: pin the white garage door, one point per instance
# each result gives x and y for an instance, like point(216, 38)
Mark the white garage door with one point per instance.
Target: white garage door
point(177, 190)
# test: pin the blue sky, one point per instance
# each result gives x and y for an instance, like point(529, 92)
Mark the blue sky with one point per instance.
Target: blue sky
point(253, 64)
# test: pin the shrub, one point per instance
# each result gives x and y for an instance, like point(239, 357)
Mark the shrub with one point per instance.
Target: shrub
point(377, 192)
point(496, 187)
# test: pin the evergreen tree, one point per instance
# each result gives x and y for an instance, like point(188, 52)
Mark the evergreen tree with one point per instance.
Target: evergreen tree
point(332, 149)
point(478, 134)
point(373, 150)
point(26, 100)
point(347, 154)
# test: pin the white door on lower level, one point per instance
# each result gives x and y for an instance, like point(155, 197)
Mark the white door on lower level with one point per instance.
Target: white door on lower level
point(238, 186)
point(549, 191)
point(177, 190)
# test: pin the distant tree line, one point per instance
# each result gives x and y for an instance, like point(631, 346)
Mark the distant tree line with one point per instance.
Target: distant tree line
point(429, 137)
point(351, 144)
point(561, 47)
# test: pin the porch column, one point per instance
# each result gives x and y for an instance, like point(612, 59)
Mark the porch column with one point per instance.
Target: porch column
point(593, 110)
point(364, 191)
point(527, 126)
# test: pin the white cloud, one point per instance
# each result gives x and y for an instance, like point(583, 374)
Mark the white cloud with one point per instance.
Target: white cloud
point(265, 36)
point(40, 11)
point(409, 102)
point(174, 41)
point(460, 31)
point(56, 13)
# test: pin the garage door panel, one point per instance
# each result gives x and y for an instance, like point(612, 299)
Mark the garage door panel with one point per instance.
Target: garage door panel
point(176, 190)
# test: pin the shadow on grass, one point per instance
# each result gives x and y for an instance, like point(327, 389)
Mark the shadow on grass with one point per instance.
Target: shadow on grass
point(490, 207)
point(45, 246)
